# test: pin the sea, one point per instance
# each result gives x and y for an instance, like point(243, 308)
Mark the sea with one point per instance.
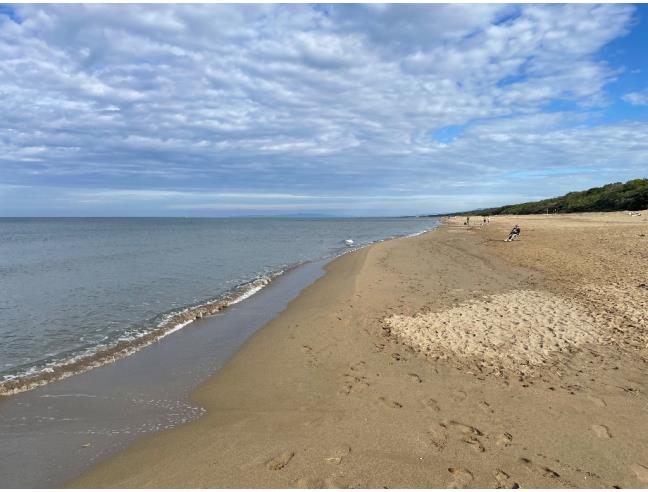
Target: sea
point(77, 293)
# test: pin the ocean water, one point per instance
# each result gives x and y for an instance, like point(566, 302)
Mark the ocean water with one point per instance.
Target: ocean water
point(76, 293)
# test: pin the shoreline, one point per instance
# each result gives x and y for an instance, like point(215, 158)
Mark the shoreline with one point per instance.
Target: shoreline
point(43, 372)
point(171, 322)
point(83, 419)
point(74, 427)
point(346, 398)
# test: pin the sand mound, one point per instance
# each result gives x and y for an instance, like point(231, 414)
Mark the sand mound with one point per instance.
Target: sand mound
point(513, 332)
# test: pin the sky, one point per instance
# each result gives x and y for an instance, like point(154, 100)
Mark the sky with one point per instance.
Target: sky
point(227, 110)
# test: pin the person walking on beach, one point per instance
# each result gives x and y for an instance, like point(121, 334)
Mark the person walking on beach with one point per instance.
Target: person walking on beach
point(515, 233)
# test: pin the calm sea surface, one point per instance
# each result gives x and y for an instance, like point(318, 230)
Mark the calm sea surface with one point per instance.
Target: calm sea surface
point(73, 287)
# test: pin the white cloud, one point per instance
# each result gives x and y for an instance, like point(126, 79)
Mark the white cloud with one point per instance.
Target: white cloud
point(279, 98)
point(639, 98)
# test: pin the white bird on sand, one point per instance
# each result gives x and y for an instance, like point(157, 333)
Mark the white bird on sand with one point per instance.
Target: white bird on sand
point(349, 242)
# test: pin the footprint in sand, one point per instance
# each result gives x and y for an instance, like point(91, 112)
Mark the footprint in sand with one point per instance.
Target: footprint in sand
point(438, 438)
point(458, 395)
point(504, 480)
point(308, 351)
point(336, 455)
point(601, 431)
point(599, 402)
point(351, 381)
point(470, 434)
point(389, 403)
point(432, 404)
point(501, 476)
point(415, 377)
point(310, 483)
point(640, 471)
point(504, 440)
point(463, 428)
point(346, 389)
point(474, 443)
point(280, 461)
point(485, 407)
point(460, 478)
point(533, 467)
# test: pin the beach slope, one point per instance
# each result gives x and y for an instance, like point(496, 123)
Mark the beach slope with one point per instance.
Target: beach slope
point(451, 359)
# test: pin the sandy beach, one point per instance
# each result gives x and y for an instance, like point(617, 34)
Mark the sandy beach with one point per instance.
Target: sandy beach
point(451, 359)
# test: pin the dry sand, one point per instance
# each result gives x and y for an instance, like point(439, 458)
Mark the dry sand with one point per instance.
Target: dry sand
point(452, 359)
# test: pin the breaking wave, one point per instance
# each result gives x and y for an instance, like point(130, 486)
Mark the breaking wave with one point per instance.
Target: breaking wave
point(45, 371)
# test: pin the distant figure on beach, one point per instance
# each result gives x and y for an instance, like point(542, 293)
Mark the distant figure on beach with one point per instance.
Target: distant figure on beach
point(515, 233)
point(484, 221)
point(467, 221)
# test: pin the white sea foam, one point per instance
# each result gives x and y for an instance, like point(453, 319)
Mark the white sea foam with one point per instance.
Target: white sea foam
point(255, 286)
point(32, 377)
point(176, 327)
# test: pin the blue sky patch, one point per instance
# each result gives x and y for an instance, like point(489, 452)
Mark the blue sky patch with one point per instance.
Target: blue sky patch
point(447, 134)
point(8, 11)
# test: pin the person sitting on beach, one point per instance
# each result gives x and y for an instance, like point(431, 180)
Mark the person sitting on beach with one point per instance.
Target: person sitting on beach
point(515, 233)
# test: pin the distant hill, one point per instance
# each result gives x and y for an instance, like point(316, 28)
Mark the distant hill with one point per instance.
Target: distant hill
point(632, 195)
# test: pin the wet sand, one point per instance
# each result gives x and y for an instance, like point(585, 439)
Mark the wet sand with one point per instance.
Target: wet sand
point(53, 433)
point(451, 359)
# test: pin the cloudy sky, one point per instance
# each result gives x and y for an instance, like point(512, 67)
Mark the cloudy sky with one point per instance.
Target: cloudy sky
point(211, 110)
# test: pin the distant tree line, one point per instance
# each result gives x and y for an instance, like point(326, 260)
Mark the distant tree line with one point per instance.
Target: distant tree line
point(632, 195)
